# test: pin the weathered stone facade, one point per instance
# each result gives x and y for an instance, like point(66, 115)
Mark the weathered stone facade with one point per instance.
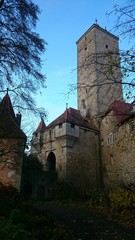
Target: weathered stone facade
point(97, 55)
point(95, 144)
point(118, 151)
point(73, 147)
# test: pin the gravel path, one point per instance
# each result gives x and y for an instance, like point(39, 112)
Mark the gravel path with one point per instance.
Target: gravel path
point(88, 224)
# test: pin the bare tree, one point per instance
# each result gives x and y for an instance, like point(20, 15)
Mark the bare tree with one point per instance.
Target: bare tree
point(125, 19)
point(125, 28)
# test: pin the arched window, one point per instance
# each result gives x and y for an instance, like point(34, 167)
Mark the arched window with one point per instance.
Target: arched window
point(51, 162)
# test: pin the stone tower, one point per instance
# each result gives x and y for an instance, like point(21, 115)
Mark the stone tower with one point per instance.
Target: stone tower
point(99, 76)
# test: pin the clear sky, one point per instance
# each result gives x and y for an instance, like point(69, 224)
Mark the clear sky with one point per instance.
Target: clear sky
point(61, 24)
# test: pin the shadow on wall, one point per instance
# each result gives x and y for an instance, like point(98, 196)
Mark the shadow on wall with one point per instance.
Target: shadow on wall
point(37, 183)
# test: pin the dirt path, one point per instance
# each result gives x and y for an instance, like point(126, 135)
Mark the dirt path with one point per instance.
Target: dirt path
point(88, 224)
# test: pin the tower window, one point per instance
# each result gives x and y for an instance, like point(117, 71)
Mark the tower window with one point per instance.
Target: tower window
point(106, 46)
point(111, 139)
point(83, 104)
point(36, 134)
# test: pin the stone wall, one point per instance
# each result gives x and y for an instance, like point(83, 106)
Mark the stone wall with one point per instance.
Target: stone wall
point(11, 158)
point(118, 152)
point(76, 150)
point(83, 163)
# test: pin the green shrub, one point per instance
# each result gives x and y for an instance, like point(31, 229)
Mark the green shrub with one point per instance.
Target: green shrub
point(31, 225)
point(94, 196)
point(10, 231)
point(122, 199)
point(9, 198)
point(19, 220)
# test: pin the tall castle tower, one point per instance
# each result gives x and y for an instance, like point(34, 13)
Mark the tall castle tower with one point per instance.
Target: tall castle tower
point(99, 76)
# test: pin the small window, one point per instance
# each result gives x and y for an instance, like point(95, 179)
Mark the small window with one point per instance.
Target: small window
point(85, 48)
point(60, 125)
point(106, 46)
point(111, 139)
point(83, 104)
point(36, 134)
point(72, 125)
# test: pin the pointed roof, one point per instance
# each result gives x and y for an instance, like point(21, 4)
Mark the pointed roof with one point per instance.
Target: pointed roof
point(41, 127)
point(6, 108)
point(121, 110)
point(8, 122)
point(71, 116)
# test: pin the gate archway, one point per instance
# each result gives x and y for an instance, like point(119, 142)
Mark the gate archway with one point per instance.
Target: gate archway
point(51, 162)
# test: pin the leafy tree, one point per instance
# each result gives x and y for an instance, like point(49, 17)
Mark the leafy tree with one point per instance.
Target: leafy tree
point(20, 51)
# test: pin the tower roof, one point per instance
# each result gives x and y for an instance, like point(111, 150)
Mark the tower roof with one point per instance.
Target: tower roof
point(99, 28)
point(72, 116)
point(121, 110)
point(8, 122)
point(41, 127)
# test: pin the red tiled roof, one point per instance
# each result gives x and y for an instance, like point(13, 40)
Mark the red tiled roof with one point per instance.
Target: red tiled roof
point(71, 116)
point(8, 122)
point(121, 110)
point(41, 127)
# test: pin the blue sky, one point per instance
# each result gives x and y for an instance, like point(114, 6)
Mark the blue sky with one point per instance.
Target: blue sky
point(61, 24)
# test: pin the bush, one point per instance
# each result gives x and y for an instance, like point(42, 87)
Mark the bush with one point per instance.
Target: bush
point(122, 199)
point(19, 220)
point(9, 198)
point(94, 196)
point(31, 225)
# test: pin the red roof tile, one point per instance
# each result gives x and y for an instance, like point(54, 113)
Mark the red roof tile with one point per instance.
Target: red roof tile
point(121, 110)
point(71, 116)
point(41, 127)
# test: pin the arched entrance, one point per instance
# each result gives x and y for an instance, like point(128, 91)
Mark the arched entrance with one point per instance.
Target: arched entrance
point(51, 162)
